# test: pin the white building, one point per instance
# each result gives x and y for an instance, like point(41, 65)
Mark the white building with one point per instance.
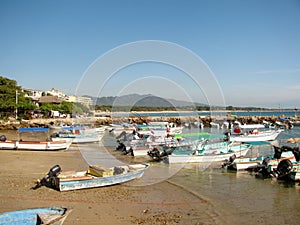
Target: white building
point(59, 94)
point(83, 100)
point(33, 94)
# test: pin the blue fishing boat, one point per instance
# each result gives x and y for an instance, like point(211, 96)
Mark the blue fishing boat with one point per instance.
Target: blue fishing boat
point(95, 176)
point(54, 215)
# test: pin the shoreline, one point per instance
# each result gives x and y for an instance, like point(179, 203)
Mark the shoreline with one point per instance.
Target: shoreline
point(118, 204)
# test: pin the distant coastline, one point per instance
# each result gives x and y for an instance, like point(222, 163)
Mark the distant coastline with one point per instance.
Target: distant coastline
point(142, 117)
point(220, 113)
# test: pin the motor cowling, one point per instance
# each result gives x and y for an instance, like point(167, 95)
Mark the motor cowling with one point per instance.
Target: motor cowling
point(266, 161)
point(121, 147)
point(277, 152)
point(154, 154)
point(283, 168)
point(296, 153)
point(54, 171)
point(2, 138)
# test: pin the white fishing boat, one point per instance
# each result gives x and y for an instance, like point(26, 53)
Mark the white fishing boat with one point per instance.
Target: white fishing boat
point(255, 136)
point(245, 163)
point(253, 133)
point(220, 152)
point(48, 145)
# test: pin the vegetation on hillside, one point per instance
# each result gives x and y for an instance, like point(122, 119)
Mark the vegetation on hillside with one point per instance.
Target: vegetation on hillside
point(13, 100)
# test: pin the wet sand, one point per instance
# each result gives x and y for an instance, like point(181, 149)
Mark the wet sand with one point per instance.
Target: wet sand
point(161, 203)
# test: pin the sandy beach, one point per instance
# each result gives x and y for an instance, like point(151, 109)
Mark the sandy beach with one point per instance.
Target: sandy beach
point(161, 203)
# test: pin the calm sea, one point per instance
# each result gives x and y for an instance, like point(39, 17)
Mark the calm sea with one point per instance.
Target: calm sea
point(237, 197)
point(278, 113)
point(240, 197)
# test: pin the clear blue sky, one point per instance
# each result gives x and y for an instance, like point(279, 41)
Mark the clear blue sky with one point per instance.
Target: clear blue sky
point(252, 47)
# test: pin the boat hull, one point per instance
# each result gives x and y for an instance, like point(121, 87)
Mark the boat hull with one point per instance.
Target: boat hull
point(78, 140)
point(54, 215)
point(173, 158)
point(271, 136)
point(35, 145)
point(95, 182)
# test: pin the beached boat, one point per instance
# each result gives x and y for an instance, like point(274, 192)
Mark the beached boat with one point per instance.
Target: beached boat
point(48, 145)
point(209, 153)
point(95, 176)
point(54, 215)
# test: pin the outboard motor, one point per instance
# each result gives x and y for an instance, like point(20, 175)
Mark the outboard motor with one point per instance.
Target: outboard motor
point(277, 152)
point(121, 147)
point(49, 179)
point(296, 153)
point(287, 148)
point(154, 154)
point(122, 136)
point(229, 161)
point(54, 171)
point(232, 158)
point(165, 153)
point(3, 138)
point(263, 169)
point(266, 161)
point(126, 152)
point(283, 168)
point(227, 134)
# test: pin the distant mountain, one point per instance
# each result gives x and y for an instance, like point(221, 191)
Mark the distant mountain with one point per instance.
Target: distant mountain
point(142, 100)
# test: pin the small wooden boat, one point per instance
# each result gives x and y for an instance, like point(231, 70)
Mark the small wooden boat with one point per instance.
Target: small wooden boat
point(95, 176)
point(48, 145)
point(54, 215)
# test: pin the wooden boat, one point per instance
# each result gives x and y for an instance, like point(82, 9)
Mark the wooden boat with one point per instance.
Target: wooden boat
point(95, 176)
point(48, 145)
point(220, 152)
point(54, 215)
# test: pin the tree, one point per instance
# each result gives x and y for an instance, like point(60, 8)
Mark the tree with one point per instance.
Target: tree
point(9, 91)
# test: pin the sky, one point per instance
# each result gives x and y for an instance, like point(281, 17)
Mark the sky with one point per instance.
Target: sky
point(234, 52)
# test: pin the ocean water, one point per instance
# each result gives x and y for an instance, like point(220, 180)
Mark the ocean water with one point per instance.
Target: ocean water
point(237, 197)
point(290, 113)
